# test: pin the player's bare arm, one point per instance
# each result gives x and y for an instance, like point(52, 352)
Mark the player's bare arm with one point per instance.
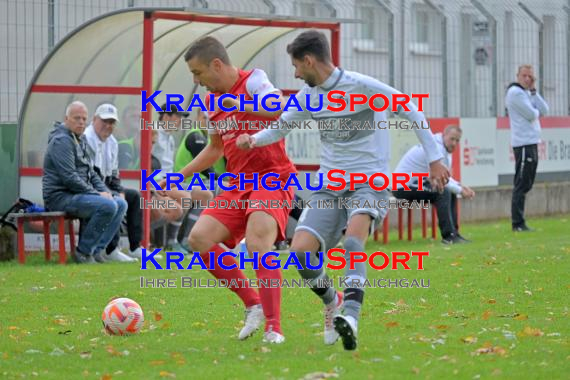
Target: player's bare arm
point(249, 108)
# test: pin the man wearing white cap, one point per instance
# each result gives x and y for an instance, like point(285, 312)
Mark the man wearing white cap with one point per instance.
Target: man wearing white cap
point(104, 152)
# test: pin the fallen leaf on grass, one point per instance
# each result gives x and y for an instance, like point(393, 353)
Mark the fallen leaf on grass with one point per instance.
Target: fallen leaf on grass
point(57, 352)
point(492, 300)
point(85, 355)
point(157, 362)
point(469, 339)
point(319, 376)
point(112, 351)
point(157, 316)
point(265, 349)
point(490, 350)
point(416, 370)
point(529, 331)
point(106, 377)
point(392, 324)
point(178, 358)
point(486, 315)
point(167, 374)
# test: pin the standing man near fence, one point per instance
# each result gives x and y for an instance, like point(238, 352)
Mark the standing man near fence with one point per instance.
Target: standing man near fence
point(524, 107)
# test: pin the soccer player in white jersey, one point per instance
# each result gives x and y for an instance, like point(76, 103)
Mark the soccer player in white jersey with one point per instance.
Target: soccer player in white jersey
point(355, 151)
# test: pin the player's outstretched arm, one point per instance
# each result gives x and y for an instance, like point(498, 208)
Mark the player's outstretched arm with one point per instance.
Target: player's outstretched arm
point(439, 174)
point(275, 106)
point(207, 157)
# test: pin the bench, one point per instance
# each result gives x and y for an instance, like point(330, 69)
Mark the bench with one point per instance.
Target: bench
point(409, 211)
point(47, 218)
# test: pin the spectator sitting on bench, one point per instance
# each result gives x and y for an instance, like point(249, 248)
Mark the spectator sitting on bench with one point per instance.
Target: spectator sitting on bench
point(70, 184)
point(415, 161)
point(103, 150)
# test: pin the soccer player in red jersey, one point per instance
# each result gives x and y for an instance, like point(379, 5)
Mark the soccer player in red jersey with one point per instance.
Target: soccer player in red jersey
point(210, 65)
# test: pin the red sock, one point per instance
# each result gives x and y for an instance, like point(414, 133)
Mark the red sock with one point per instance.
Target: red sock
point(248, 295)
point(270, 297)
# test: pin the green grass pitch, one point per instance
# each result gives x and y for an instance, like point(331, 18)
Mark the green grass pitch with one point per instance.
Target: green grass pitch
point(496, 308)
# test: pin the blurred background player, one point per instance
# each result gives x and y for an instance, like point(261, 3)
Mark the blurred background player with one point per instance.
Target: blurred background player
point(524, 107)
point(190, 147)
point(361, 151)
point(415, 161)
point(129, 138)
point(210, 65)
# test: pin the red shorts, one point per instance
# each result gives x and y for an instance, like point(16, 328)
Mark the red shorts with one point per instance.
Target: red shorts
point(235, 218)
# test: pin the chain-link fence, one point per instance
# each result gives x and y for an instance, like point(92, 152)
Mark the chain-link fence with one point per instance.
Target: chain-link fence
point(462, 52)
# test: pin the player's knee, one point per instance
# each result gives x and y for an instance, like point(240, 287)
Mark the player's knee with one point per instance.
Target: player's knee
point(198, 241)
point(257, 244)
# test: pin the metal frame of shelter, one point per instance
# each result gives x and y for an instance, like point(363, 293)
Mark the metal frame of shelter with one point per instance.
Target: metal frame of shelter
point(150, 16)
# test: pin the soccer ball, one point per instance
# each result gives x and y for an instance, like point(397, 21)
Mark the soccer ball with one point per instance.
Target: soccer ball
point(122, 316)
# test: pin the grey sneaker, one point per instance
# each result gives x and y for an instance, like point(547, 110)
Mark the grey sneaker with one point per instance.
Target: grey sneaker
point(100, 256)
point(81, 258)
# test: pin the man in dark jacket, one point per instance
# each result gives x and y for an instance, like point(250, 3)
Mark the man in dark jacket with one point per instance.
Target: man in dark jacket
point(71, 185)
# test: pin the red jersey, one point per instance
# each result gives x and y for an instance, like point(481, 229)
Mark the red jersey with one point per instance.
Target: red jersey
point(270, 158)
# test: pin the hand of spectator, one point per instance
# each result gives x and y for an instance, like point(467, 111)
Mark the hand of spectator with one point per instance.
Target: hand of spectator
point(105, 194)
point(245, 141)
point(162, 183)
point(467, 192)
point(439, 175)
point(532, 85)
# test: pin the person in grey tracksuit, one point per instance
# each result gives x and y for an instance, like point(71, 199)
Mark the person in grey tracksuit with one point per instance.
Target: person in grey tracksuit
point(524, 107)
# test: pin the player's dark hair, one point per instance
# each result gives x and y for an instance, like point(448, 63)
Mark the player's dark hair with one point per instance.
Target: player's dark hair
point(311, 42)
point(206, 49)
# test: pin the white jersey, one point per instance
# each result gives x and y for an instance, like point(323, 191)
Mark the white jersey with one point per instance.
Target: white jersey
point(354, 150)
point(415, 161)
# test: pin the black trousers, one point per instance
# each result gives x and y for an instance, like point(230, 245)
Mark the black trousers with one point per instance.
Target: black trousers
point(526, 162)
point(134, 222)
point(446, 205)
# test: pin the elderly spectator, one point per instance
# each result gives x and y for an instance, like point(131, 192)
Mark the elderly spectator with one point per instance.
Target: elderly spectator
point(104, 152)
point(70, 184)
